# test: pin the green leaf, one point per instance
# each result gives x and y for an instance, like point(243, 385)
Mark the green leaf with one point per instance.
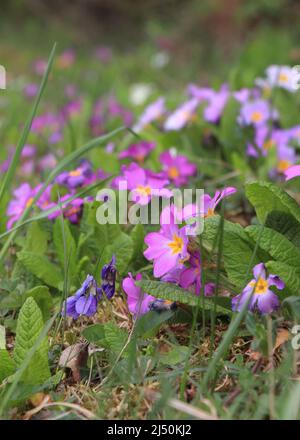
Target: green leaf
point(171, 292)
point(12, 301)
point(276, 244)
point(36, 239)
point(175, 356)
point(148, 323)
point(7, 365)
point(94, 236)
point(267, 197)
point(137, 235)
point(65, 246)
point(115, 337)
point(293, 304)
point(107, 335)
point(29, 328)
point(290, 275)
point(42, 297)
point(42, 268)
point(94, 333)
point(286, 224)
point(237, 248)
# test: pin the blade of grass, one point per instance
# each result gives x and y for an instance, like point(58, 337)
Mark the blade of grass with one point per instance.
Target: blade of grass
point(5, 184)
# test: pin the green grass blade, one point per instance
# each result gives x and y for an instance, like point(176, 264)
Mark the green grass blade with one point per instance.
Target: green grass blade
point(5, 185)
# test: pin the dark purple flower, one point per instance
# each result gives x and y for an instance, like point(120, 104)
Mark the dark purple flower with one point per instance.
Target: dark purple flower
point(75, 178)
point(108, 275)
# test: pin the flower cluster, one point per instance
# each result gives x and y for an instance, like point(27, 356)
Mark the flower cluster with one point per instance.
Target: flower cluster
point(256, 113)
point(174, 259)
point(70, 180)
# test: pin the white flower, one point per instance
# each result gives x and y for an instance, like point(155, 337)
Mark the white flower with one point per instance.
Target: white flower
point(160, 60)
point(139, 93)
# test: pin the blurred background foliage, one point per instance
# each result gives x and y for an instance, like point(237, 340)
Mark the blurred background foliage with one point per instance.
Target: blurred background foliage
point(205, 39)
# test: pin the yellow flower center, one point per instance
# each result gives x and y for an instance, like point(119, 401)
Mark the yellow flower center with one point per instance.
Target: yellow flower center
point(187, 116)
point(267, 145)
point(144, 190)
point(256, 116)
point(261, 286)
point(176, 245)
point(283, 165)
point(210, 212)
point(29, 202)
point(72, 211)
point(75, 173)
point(140, 158)
point(283, 78)
point(173, 172)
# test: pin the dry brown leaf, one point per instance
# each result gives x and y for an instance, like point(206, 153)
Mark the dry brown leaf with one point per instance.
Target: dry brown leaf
point(37, 399)
point(74, 357)
point(282, 336)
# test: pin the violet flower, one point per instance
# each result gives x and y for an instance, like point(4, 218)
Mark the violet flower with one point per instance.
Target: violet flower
point(108, 275)
point(151, 113)
point(182, 115)
point(84, 301)
point(256, 112)
point(76, 178)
